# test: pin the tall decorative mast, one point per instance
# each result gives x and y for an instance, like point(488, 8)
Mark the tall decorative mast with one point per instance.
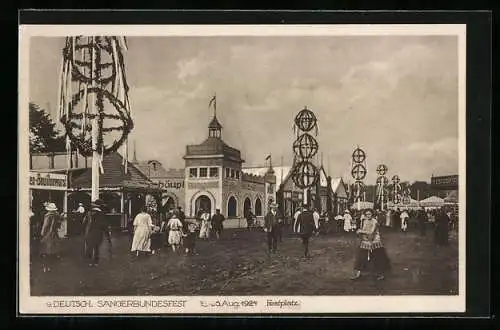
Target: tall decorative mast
point(92, 76)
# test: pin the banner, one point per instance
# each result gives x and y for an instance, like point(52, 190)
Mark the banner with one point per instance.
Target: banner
point(48, 181)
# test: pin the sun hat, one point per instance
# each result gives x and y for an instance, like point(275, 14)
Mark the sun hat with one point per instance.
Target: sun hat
point(51, 207)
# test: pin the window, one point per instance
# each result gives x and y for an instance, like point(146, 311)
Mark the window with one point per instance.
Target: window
point(193, 172)
point(231, 207)
point(203, 172)
point(238, 175)
point(232, 174)
point(258, 207)
point(227, 173)
point(214, 172)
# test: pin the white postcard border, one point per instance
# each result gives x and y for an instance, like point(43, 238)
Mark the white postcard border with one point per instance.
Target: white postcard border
point(230, 304)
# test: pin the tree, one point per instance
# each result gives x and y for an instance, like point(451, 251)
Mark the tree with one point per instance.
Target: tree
point(43, 136)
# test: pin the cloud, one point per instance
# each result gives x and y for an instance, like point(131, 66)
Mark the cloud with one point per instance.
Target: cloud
point(191, 67)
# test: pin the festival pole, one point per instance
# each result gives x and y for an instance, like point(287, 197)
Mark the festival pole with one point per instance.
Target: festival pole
point(95, 126)
point(87, 103)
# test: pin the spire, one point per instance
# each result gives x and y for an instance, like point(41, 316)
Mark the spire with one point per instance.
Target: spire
point(134, 160)
point(214, 127)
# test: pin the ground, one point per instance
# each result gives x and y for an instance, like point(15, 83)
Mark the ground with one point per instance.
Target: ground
point(238, 264)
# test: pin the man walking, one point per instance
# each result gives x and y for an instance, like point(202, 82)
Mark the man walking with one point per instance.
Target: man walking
point(305, 228)
point(217, 220)
point(272, 228)
point(95, 230)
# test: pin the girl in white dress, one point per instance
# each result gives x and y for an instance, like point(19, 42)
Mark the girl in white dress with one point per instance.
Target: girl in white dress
point(347, 221)
point(143, 227)
point(174, 226)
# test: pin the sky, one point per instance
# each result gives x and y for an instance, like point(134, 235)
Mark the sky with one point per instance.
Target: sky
point(394, 96)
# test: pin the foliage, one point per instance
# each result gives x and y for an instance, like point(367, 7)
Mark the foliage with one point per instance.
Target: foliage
point(43, 135)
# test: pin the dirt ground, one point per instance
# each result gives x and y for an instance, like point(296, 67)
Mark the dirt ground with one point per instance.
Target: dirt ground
point(238, 264)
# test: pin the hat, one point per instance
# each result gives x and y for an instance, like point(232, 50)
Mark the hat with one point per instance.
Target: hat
point(80, 204)
point(347, 211)
point(51, 207)
point(273, 205)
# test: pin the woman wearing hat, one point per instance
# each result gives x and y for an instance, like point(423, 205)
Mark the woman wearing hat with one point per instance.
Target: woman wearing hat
point(49, 238)
point(95, 230)
point(371, 250)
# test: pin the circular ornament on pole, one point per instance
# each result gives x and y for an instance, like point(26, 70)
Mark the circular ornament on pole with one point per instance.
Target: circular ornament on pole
point(397, 199)
point(358, 156)
point(305, 146)
point(382, 169)
point(358, 172)
point(359, 186)
point(305, 175)
point(382, 180)
point(306, 120)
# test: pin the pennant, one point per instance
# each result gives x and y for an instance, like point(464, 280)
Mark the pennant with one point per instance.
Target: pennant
point(268, 157)
point(212, 100)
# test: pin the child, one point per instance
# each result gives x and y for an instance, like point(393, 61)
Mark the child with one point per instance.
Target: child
point(190, 238)
point(156, 240)
point(175, 232)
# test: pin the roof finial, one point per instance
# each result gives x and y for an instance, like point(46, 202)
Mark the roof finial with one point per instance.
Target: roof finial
point(214, 101)
point(134, 160)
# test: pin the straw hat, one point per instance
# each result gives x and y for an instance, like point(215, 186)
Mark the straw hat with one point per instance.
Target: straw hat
point(273, 205)
point(51, 207)
point(98, 203)
point(347, 211)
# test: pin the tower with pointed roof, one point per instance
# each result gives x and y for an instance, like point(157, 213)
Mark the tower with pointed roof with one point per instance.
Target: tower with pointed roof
point(212, 174)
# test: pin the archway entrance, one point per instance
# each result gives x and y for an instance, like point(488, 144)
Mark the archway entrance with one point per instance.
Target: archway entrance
point(202, 203)
point(258, 207)
point(231, 207)
point(247, 207)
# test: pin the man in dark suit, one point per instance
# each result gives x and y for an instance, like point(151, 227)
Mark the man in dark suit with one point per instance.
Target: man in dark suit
point(305, 227)
point(272, 222)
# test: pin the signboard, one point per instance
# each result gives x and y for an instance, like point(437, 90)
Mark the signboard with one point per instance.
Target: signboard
point(48, 181)
point(445, 182)
point(203, 185)
point(170, 184)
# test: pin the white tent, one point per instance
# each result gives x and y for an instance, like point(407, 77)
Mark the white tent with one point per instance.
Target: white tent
point(432, 201)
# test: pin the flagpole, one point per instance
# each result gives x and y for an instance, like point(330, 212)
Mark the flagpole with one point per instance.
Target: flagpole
point(95, 129)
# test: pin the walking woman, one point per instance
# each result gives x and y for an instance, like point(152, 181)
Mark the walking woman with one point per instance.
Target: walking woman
point(49, 238)
point(206, 225)
point(371, 251)
point(143, 227)
point(96, 229)
point(174, 226)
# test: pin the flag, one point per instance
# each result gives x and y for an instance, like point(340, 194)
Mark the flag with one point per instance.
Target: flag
point(268, 157)
point(212, 100)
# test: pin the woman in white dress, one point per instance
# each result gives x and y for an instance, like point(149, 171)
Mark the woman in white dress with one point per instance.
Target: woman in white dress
point(205, 225)
point(174, 226)
point(143, 227)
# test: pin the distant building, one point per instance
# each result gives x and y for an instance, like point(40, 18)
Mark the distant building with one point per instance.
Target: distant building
point(170, 181)
point(446, 186)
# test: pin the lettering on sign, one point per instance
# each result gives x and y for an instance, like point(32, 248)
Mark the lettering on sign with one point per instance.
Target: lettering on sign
point(203, 185)
point(170, 184)
point(451, 180)
point(48, 181)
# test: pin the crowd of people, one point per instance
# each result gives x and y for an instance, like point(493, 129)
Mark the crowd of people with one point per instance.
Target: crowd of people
point(181, 234)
